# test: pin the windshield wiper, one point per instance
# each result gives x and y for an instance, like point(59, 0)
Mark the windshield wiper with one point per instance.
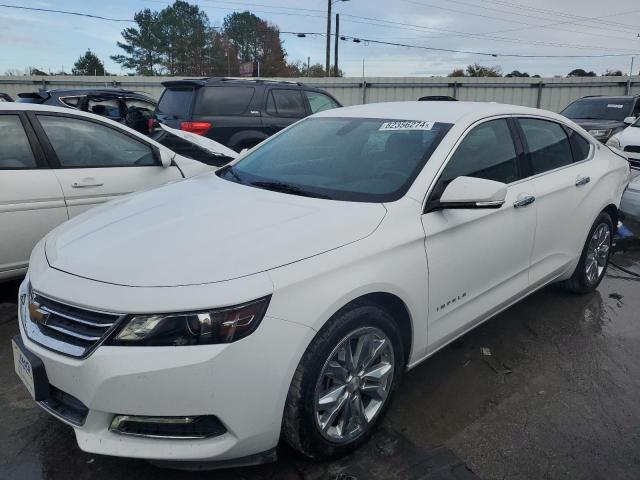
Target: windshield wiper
point(286, 188)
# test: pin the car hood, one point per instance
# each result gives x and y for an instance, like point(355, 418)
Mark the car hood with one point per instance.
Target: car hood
point(203, 230)
point(590, 124)
point(204, 142)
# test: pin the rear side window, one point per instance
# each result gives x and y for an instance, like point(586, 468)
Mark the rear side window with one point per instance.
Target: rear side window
point(579, 146)
point(288, 103)
point(486, 152)
point(15, 151)
point(223, 100)
point(548, 144)
point(105, 107)
point(176, 102)
point(73, 102)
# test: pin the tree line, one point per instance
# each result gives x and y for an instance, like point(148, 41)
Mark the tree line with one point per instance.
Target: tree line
point(477, 70)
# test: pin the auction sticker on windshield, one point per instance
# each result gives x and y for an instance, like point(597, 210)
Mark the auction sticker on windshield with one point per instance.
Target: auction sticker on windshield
point(406, 125)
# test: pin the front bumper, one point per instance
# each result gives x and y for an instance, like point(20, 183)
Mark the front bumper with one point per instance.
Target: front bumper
point(244, 384)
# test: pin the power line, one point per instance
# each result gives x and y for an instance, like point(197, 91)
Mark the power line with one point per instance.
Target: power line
point(65, 12)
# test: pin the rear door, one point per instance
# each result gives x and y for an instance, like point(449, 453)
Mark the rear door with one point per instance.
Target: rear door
point(226, 108)
point(95, 162)
point(31, 199)
point(561, 169)
point(283, 107)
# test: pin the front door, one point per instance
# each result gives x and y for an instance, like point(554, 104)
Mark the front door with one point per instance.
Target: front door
point(478, 259)
point(97, 162)
point(31, 200)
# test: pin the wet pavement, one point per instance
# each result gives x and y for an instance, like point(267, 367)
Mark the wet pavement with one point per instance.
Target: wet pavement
point(556, 398)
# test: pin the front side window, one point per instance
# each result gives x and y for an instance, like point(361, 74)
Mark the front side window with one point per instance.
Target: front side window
point(548, 144)
point(15, 151)
point(355, 159)
point(289, 103)
point(320, 102)
point(486, 152)
point(84, 144)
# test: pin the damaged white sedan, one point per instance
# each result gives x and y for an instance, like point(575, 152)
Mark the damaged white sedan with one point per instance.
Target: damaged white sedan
point(285, 295)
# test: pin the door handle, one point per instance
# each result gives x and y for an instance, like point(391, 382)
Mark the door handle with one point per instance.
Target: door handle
point(524, 201)
point(87, 182)
point(582, 181)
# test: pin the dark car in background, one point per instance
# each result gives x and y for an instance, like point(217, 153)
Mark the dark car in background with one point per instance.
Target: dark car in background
point(603, 116)
point(238, 113)
point(134, 109)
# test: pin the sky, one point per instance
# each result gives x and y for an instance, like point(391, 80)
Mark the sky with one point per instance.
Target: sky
point(52, 42)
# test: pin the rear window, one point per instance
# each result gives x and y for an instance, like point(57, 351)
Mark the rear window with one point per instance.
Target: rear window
point(176, 102)
point(229, 100)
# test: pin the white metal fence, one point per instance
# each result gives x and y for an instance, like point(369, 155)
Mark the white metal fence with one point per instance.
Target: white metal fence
point(548, 93)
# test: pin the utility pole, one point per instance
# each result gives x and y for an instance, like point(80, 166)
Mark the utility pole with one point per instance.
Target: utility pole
point(328, 66)
point(308, 66)
point(335, 68)
point(631, 69)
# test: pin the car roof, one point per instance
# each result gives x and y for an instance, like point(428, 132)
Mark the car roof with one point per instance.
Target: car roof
point(610, 97)
point(445, 112)
point(98, 90)
point(228, 80)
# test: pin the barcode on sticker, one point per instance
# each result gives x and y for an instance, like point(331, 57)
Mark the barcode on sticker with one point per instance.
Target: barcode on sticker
point(614, 105)
point(406, 125)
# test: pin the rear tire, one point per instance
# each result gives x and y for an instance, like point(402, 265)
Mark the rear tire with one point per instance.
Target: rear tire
point(334, 405)
point(594, 258)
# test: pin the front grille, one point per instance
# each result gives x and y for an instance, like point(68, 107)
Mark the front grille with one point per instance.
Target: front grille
point(632, 148)
point(65, 406)
point(64, 328)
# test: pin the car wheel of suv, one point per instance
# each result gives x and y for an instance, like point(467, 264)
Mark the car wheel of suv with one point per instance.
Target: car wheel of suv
point(595, 257)
point(344, 382)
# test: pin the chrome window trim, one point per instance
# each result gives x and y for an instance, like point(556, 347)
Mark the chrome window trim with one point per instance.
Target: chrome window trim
point(62, 100)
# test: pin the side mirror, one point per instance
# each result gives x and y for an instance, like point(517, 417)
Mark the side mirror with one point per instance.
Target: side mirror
point(166, 157)
point(629, 120)
point(471, 192)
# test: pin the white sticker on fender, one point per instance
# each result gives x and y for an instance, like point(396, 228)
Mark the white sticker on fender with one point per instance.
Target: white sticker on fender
point(406, 125)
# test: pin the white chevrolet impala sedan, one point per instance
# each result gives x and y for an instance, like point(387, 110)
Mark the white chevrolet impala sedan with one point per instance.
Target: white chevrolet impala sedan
point(285, 295)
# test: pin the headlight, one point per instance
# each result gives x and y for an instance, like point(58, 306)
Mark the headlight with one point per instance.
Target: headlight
point(614, 142)
point(223, 325)
point(600, 133)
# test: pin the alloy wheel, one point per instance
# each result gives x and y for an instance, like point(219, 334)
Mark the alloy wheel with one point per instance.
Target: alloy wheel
point(598, 253)
point(354, 384)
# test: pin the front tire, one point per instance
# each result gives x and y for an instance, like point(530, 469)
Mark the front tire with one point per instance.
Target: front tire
point(594, 258)
point(344, 382)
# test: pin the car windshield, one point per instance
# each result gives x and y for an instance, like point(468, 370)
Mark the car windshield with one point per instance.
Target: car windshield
point(354, 159)
point(599, 109)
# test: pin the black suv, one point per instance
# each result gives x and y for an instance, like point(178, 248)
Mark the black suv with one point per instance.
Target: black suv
point(131, 108)
point(238, 113)
point(603, 116)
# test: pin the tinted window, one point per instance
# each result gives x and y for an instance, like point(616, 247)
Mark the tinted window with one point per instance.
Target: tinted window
point(271, 105)
point(81, 144)
point(319, 101)
point(599, 109)
point(15, 151)
point(176, 102)
point(548, 144)
point(579, 146)
point(223, 100)
point(289, 103)
point(73, 102)
point(486, 152)
point(106, 107)
point(358, 159)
